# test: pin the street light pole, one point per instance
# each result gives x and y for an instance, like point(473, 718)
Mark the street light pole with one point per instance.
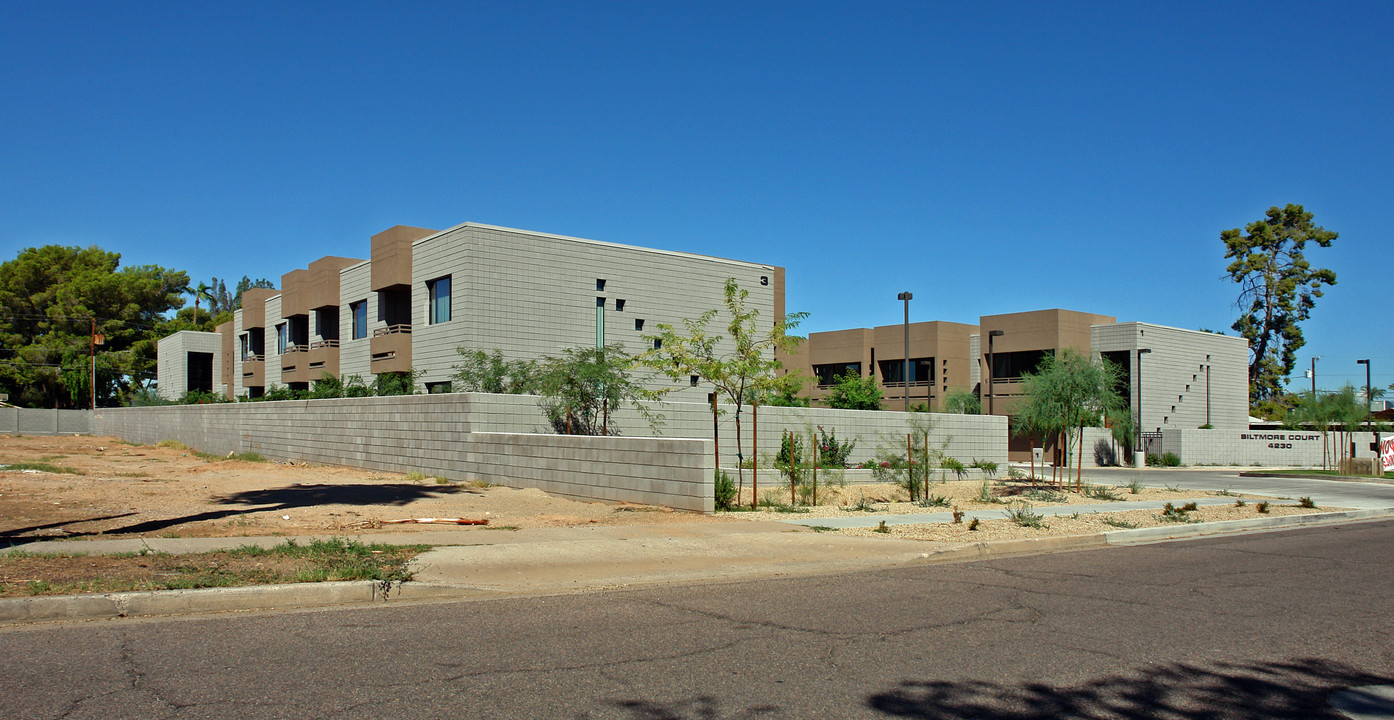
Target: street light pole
point(991, 334)
point(907, 297)
point(1375, 466)
point(1139, 451)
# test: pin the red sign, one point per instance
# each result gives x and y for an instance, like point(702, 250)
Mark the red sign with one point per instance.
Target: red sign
point(1386, 453)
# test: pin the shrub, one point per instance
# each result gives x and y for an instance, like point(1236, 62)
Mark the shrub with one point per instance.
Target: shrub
point(1170, 459)
point(881, 528)
point(832, 453)
point(955, 465)
point(725, 490)
point(986, 494)
point(1134, 487)
point(1306, 502)
point(1101, 492)
point(1262, 507)
point(1153, 459)
point(958, 516)
point(935, 501)
point(1022, 514)
point(1119, 523)
point(1240, 502)
point(988, 467)
point(1040, 495)
point(973, 526)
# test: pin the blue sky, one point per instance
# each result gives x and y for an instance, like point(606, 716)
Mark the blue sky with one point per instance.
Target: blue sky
point(988, 157)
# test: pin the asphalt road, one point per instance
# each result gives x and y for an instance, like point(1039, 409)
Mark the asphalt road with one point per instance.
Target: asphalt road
point(1262, 625)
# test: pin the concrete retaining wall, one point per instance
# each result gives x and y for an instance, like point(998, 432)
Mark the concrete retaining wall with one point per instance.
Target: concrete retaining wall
point(31, 421)
point(1269, 448)
point(476, 435)
point(430, 434)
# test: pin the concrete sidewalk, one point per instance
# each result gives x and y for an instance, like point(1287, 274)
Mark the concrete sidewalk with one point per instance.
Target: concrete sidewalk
point(474, 563)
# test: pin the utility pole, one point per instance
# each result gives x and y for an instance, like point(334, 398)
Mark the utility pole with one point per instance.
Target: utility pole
point(907, 297)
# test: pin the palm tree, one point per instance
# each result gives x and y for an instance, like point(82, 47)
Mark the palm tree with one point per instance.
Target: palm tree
point(202, 291)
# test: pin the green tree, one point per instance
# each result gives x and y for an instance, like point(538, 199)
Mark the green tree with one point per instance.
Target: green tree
point(1067, 393)
point(582, 390)
point(743, 368)
point(1277, 291)
point(53, 298)
point(481, 371)
point(963, 402)
point(854, 392)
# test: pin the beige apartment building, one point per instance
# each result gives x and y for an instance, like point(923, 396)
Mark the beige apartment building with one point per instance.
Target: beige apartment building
point(1172, 378)
point(421, 294)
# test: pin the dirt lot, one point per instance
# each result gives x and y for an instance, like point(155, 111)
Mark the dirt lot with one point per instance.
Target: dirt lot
point(116, 489)
point(82, 487)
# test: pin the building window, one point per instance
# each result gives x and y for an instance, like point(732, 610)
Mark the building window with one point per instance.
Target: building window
point(246, 345)
point(437, 388)
point(359, 312)
point(693, 380)
point(639, 324)
point(657, 344)
point(828, 374)
point(281, 339)
point(619, 306)
point(438, 292)
point(599, 285)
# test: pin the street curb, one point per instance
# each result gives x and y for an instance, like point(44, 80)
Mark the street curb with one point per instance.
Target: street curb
point(1334, 478)
point(211, 600)
point(1168, 532)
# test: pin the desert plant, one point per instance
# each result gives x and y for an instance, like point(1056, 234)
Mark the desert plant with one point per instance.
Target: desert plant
point(1039, 495)
point(1153, 459)
point(1240, 502)
point(1262, 507)
point(958, 515)
point(1014, 473)
point(955, 465)
point(1170, 459)
point(725, 490)
point(1101, 492)
point(881, 527)
point(1119, 523)
point(986, 493)
point(988, 467)
point(1023, 514)
point(1306, 502)
point(935, 501)
point(1171, 513)
point(973, 526)
point(832, 453)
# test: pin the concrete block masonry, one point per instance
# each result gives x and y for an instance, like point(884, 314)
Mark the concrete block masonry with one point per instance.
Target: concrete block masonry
point(504, 439)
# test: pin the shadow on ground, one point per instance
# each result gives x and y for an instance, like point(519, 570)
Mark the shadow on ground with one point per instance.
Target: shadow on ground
point(266, 500)
point(1286, 690)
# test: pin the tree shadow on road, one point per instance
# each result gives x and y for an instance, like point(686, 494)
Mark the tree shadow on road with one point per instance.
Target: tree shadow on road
point(1288, 690)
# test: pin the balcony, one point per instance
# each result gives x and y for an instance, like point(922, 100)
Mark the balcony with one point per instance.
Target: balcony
point(391, 349)
point(323, 358)
point(253, 371)
point(295, 364)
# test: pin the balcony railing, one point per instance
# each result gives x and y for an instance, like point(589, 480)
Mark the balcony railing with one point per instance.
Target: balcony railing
point(253, 358)
point(901, 384)
point(292, 348)
point(322, 344)
point(401, 328)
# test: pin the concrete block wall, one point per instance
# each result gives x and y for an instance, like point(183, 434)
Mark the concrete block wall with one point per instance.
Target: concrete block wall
point(36, 421)
point(967, 437)
point(676, 473)
point(429, 434)
point(1268, 448)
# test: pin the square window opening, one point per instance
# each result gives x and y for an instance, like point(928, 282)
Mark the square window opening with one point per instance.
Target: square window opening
point(639, 324)
point(599, 285)
point(619, 306)
point(693, 379)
